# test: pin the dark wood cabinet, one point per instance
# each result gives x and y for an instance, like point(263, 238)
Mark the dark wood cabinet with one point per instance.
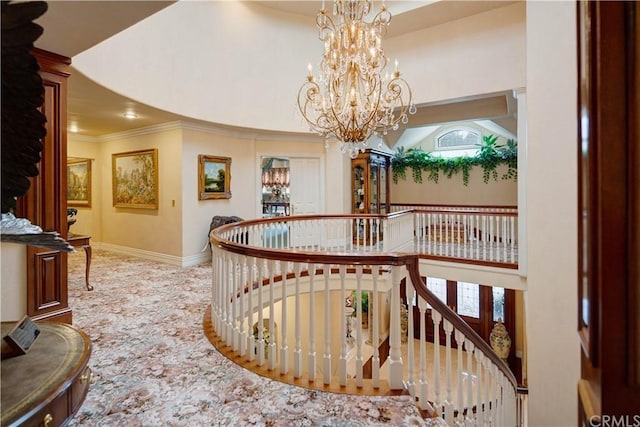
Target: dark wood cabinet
point(45, 204)
point(370, 182)
point(369, 193)
point(46, 386)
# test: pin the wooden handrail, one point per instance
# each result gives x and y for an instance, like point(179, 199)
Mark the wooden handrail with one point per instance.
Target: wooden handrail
point(456, 212)
point(457, 206)
point(457, 321)
point(308, 256)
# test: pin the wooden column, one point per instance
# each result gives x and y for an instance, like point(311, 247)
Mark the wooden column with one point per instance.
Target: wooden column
point(609, 212)
point(45, 204)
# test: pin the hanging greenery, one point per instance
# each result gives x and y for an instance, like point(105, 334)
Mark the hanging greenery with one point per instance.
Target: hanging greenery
point(490, 155)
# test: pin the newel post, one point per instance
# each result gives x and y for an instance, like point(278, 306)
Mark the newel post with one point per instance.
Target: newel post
point(395, 355)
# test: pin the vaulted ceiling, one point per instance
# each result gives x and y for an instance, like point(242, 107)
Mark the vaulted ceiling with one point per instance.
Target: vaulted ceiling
point(71, 27)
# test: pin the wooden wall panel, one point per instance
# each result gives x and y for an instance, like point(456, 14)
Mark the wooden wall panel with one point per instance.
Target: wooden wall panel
point(609, 202)
point(45, 203)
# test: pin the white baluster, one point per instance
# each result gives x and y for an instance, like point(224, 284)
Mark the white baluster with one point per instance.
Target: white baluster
point(436, 318)
point(460, 233)
point(492, 236)
point(432, 232)
point(494, 396)
point(297, 353)
point(469, 346)
point(459, 343)
point(487, 392)
point(235, 295)
point(327, 325)
point(476, 241)
point(228, 330)
point(486, 235)
point(312, 326)
point(440, 237)
point(284, 348)
point(215, 288)
point(465, 236)
point(448, 403)
point(375, 362)
point(395, 352)
point(359, 337)
point(423, 384)
point(251, 342)
point(512, 243)
point(271, 353)
point(244, 283)
point(504, 238)
point(499, 402)
point(260, 343)
point(479, 400)
point(343, 328)
point(411, 381)
point(388, 237)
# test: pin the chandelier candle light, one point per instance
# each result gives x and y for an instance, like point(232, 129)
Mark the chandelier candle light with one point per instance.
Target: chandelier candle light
point(353, 101)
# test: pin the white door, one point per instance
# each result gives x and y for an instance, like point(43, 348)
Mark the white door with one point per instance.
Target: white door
point(304, 190)
point(305, 185)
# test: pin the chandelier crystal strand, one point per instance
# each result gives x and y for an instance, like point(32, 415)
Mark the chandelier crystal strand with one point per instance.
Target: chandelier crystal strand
point(353, 100)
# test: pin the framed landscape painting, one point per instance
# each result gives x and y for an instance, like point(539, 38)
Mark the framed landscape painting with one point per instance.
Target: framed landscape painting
point(79, 182)
point(214, 177)
point(135, 179)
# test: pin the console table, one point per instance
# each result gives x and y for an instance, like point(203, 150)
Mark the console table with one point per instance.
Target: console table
point(272, 208)
point(46, 386)
point(79, 241)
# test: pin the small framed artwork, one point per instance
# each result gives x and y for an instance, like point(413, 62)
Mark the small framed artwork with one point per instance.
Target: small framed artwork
point(135, 179)
point(21, 337)
point(214, 177)
point(79, 182)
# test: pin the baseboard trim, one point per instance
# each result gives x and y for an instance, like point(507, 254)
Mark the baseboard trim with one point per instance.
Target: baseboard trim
point(187, 261)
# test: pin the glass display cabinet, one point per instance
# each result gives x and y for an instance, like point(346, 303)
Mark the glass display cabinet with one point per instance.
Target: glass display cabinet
point(370, 192)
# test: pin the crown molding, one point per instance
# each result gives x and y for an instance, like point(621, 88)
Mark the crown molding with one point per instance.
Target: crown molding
point(221, 130)
point(147, 130)
point(82, 138)
point(255, 134)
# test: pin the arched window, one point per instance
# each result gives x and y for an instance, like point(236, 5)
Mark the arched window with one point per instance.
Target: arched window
point(458, 139)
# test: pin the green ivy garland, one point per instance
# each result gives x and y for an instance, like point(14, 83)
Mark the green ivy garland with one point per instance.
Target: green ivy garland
point(491, 155)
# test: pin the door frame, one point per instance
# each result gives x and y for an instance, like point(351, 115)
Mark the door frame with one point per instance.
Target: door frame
point(258, 181)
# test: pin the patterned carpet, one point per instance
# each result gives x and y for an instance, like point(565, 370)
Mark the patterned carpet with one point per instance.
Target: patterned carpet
point(153, 366)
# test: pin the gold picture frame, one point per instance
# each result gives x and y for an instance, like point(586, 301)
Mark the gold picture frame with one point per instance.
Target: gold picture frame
point(135, 179)
point(79, 182)
point(214, 177)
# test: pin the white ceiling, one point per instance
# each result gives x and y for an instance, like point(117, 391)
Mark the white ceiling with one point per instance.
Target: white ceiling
point(71, 27)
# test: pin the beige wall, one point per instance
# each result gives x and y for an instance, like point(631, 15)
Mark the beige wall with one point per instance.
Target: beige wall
point(551, 299)
point(13, 301)
point(155, 230)
point(475, 55)
point(197, 214)
point(179, 227)
point(453, 191)
point(484, 53)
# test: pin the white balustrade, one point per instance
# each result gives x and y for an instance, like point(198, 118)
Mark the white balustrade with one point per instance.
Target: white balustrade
point(270, 288)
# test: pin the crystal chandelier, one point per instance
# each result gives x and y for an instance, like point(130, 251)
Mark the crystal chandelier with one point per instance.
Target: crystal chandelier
point(351, 100)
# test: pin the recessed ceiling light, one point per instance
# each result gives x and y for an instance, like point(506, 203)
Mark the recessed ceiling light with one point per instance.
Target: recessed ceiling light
point(130, 115)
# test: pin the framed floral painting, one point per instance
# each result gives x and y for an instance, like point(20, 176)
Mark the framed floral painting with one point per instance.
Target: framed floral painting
point(79, 182)
point(135, 179)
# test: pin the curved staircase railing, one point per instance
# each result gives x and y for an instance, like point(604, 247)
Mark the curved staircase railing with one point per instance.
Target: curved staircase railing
point(288, 301)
